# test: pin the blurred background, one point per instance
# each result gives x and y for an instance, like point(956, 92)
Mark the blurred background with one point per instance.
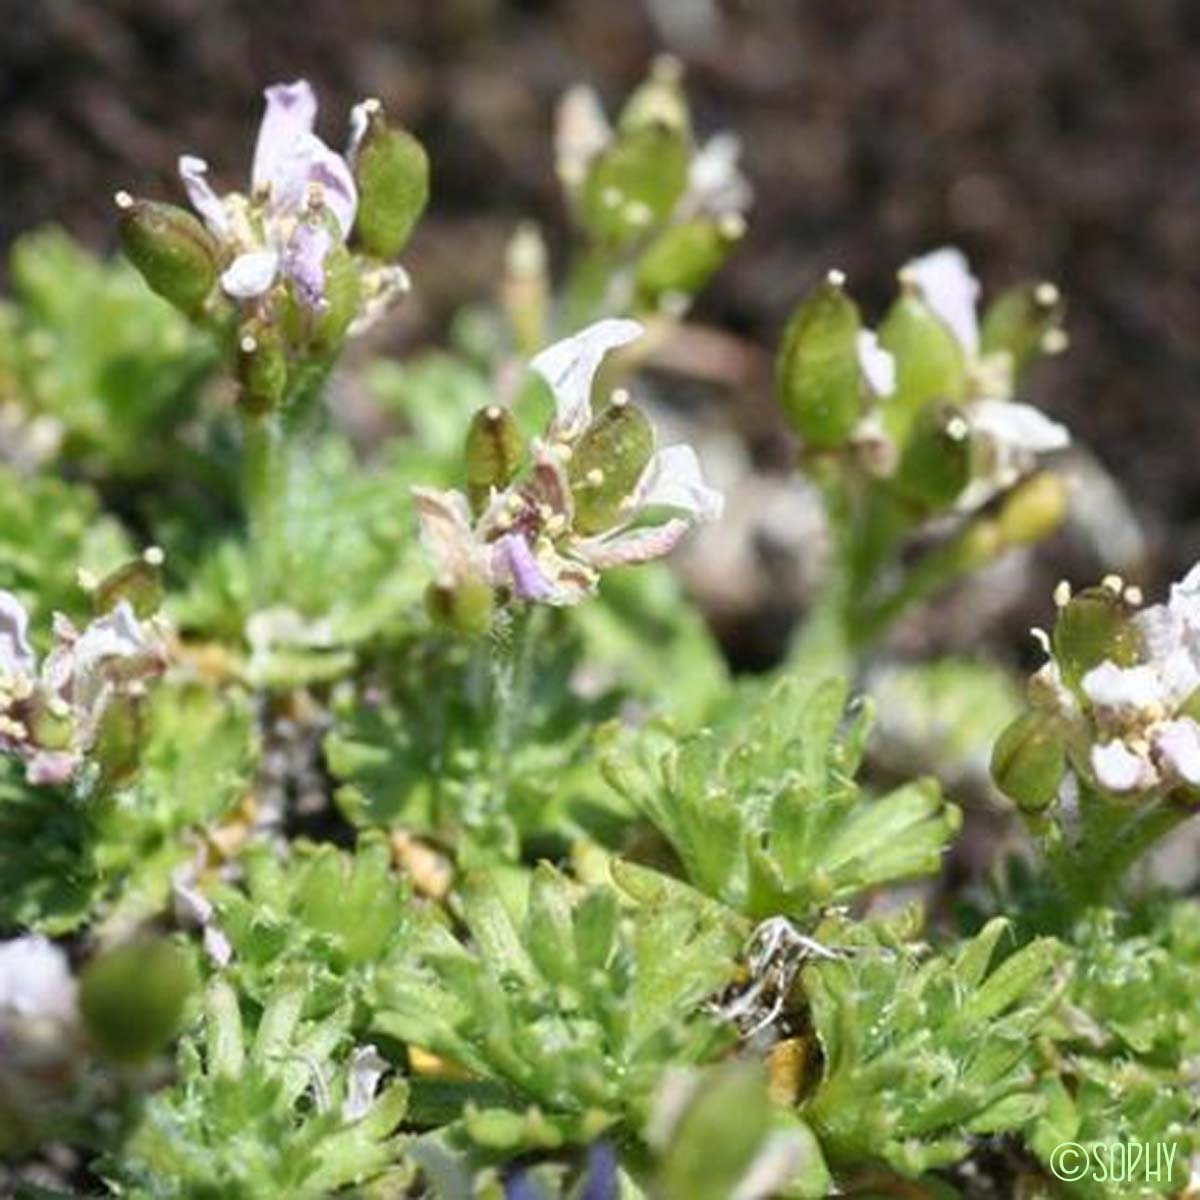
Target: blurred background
point(1051, 138)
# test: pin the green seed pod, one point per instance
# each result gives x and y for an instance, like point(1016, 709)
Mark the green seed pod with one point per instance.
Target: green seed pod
point(929, 361)
point(1093, 627)
point(119, 742)
point(1029, 761)
point(817, 375)
point(493, 452)
point(658, 101)
point(936, 463)
point(392, 172)
point(175, 254)
point(133, 998)
point(1034, 509)
point(1024, 322)
point(607, 464)
point(138, 581)
point(682, 259)
point(634, 184)
point(262, 368)
point(465, 607)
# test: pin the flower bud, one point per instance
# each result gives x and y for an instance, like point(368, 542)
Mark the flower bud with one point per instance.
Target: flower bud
point(682, 259)
point(929, 360)
point(133, 997)
point(525, 288)
point(1034, 509)
point(634, 184)
point(392, 172)
point(262, 368)
point(936, 463)
point(138, 581)
point(659, 101)
point(1024, 322)
point(175, 254)
point(607, 464)
point(1093, 627)
point(465, 607)
point(1029, 761)
point(817, 374)
point(493, 452)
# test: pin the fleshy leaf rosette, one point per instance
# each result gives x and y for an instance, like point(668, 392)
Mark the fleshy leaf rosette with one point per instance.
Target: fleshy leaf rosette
point(593, 494)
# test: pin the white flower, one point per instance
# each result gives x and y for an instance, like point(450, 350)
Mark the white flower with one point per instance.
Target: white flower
point(570, 367)
point(524, 539)
point(51, 718)
point(946, 284)
point(1007, 437)
point(716, 186)
point(1136, 709)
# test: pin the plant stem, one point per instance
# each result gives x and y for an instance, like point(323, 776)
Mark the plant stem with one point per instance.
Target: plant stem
point(1111, 838)
point(263, 483)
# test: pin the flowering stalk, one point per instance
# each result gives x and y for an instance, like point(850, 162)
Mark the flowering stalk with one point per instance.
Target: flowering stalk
point(916, 424)
point(659, 213)
point(293, 267)
point(1106, 760)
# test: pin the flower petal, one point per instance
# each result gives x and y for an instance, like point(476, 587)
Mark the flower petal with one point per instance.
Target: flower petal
point(876, 364)
point(515, 564)
point(716, 185)
point(250, 274)
point(51, 768)
point(948, 287)
point(632, 545)
point(304, 263)
point(672, 479)
point(329, 170)
point(1123, 689)
point(1178, 744)
point(446, 534)
point(194, 173)
point(1019, 427)
point(570, 367)
point(1120, 770)
point(16, 653)
point(311, 172)
point(367, 1068)
point(581, 131)
point(289, 116)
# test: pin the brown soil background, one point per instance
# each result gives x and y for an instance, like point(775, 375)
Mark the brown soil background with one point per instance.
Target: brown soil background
point(1056, 138)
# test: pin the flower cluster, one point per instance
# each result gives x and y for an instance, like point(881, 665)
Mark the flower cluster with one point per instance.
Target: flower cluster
point(660, 209)
point(51, 718)
point(591, 494)
point(927, 401)
point(1006, 436)
point(1134, 709)
point(281, 252)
